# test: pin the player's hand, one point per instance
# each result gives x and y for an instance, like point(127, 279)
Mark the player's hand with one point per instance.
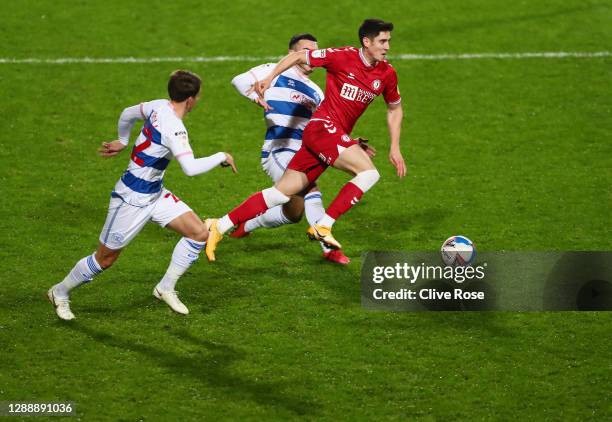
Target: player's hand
point(110, 149)
point(395, 156)
point(259, 100)
point(261, 87)
point(263, 104)
point(363, 143)
point(229, 162)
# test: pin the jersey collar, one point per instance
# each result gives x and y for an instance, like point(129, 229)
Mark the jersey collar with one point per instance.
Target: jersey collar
point(363, 58)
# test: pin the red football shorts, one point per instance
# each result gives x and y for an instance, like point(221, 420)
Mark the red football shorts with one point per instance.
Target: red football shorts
point(322, 143)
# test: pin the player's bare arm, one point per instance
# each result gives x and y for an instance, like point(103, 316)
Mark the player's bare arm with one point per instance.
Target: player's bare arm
point(291, 59)
point(395, 114)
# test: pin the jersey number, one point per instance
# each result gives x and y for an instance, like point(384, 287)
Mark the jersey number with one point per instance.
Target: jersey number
point(168, 195)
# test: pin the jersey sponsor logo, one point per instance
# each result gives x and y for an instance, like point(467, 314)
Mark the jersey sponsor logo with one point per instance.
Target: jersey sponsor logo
point(319, 54)
point(179, 133)
point(353, 93)
point(298, 97)
point(346, 138)
point(376, 84)
point(349, 91)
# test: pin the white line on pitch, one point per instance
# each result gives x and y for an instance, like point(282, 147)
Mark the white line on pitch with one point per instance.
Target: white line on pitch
point(212, 59)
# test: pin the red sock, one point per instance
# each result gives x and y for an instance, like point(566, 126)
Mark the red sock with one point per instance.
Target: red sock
point(348, 196)
point(251, 207)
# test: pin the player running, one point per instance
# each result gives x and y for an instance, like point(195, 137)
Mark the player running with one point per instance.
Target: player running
point(355, 77)
point(288, 106)
point(139, 196)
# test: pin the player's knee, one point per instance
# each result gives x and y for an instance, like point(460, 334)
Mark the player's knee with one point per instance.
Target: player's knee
point(274, 197)
point(106, 260)
point(200, 233)
point(366, 179)
point(294, 209)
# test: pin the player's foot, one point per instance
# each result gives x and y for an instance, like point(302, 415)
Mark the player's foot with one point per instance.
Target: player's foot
point(61, 305)
point(171, 298)
point(214, 237)
point(324, 235)
point(337, 256)
point(240, 232)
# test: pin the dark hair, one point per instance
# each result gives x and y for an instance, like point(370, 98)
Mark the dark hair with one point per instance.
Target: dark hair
point(182, 85)
point(372, 27)
point(298, 37)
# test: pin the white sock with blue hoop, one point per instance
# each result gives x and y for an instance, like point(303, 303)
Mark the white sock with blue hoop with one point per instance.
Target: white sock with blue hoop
point(274, 217)
point(83, 272)
point(186, 252)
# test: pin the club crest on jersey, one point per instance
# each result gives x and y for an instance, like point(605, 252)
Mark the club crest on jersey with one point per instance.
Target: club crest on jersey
point(346, 138)
point(318, 54)
point(376, 85)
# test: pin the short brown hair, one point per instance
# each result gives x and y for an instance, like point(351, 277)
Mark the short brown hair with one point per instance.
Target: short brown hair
point(370, 28)
point(183, 84)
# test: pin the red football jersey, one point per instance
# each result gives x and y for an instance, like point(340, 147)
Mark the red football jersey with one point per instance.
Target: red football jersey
point(352, 84)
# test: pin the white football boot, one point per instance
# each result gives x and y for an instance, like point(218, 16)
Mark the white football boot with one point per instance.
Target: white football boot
point(171, 298)
point(62, 306)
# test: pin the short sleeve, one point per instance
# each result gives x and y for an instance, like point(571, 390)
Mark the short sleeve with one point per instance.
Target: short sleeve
point(326, 57)
point(178, 142)
point(391, 92)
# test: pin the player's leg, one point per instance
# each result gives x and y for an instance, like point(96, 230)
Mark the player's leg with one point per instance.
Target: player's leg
point(344, 153)
point(314, 211)
point(291, 183)
point(174, 214)
point(355, 161)
point(123, 223)
point(274, 165)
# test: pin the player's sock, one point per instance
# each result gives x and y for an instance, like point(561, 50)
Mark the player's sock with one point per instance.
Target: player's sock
point(83, 272)
point(274, 217)
point(186, 252)
point(349, 195)
point(255, 204)
point(314, 210)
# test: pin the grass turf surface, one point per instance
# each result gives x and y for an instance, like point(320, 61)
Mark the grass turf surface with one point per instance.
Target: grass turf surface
point(513, 154)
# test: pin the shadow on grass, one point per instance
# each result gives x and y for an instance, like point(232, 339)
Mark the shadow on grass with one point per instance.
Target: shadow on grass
point(213, 369)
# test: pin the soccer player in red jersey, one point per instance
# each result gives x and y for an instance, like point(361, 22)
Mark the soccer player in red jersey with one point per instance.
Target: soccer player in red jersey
point(355, 77)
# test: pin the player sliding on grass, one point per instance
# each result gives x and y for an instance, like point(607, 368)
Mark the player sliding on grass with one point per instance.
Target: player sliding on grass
point(288, 106)
point(139, 196)
point(355, 77)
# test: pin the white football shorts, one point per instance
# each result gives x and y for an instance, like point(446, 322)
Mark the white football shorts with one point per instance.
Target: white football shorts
point(275, 162)
point(125, 221)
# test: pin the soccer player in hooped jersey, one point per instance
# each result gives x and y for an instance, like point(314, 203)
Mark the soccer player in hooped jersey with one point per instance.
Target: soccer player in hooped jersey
point(355, 77)
point(288, 106)
point(139, 196)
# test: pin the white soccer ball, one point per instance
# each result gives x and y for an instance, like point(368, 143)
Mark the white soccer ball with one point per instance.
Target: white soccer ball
point(458, 251)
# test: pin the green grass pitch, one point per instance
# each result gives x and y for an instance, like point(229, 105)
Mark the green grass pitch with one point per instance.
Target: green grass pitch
point(515, 154)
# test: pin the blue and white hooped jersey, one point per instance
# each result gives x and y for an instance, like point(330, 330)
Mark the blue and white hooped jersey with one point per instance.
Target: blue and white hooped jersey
point(163, 136)
point(294, 98)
